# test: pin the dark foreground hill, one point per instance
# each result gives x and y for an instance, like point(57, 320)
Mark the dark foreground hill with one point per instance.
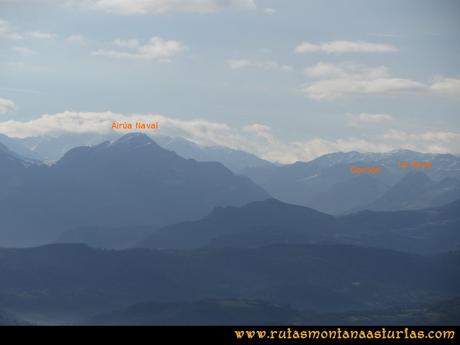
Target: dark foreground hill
point(255, 312)
point(75, 280)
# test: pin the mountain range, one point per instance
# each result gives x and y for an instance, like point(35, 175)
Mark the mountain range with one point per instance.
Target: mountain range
point(415, 191)
point(129, 182)
point(268, 222)
point(327, 184)
point(235, 160)
point(52, 148)
point(427, 231)
point(177, 241)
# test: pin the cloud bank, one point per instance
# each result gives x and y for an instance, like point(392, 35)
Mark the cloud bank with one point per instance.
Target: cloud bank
point(256, 138)
point(332, 81)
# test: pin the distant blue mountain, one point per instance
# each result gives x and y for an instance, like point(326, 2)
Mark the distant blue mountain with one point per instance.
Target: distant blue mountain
point(235, 160)
point(130, 182)
point(326, 183)
point(415, 191)
point(52, 148)
point(16, 145)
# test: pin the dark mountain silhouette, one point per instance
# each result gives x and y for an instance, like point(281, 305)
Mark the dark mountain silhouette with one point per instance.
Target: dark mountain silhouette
point(415, 191)
point(326, 183)
point(271, 221)
point(130, 182)
point(258, 223)
point(75, 279)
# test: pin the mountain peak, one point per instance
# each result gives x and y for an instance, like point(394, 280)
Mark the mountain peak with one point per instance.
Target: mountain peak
point(134, 140)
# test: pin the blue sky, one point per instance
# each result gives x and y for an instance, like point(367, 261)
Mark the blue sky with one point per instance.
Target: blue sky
point(287, 80)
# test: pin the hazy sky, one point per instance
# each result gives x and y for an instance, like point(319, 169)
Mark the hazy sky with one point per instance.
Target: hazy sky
point(286, 79)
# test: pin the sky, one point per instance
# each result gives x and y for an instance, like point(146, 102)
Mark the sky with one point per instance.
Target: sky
point(287, 80)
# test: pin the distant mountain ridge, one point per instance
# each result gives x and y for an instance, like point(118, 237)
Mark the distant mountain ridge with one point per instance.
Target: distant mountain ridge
point(416, 191)
point(327, 184)
point(130, 182)
point(255, 221)
point(235, 160)
point(53, 148)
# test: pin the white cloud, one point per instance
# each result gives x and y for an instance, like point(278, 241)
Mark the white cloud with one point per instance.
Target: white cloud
point(156, 49)
point(336, 81)
point(431, 141)
point(158, 7)
point(8, 32)
point(325, 70)
point(435, 136)
point(79, 39)
point(343, 47)
point(236, 64)
point(358, 120)
point(41, 35)
point(269, 11)
point(6, 105)
point(332, 81)
point(24, 51)
point(255, 138)
point(446, 86)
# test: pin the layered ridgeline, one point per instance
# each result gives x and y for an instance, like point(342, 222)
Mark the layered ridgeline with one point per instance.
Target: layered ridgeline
point(72, 282)
point(268, 222)
point(130, 182)
point(327, 184)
